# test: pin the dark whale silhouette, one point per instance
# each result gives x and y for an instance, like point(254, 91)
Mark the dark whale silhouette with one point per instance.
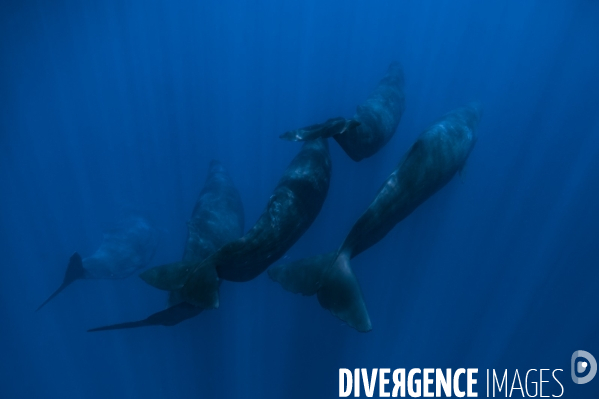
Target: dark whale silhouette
point(217, 219)
point(124, 250)
point(431, 162)
point(373, 125)
point(293, 206)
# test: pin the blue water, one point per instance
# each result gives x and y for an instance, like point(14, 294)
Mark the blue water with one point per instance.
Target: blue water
point(107, 107)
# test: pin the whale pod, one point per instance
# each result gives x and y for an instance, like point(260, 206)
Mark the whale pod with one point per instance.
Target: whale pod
point(437, 155)
point(291, 209)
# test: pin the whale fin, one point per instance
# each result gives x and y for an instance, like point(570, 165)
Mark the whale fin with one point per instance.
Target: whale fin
point(330, 277)
point(170, 277)
point(201, 288)
point(330, 128)
point(75, 271)
point(168, 317)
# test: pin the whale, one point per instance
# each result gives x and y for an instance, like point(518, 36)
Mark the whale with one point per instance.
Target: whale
point(430, 163)
point(296, 201)
point(217, 218)
point(373, 124)
point(127, 248)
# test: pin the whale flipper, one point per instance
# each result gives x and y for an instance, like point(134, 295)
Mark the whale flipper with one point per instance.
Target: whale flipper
point(170, 277)
point(168, 317)
point(330, 277)
point(330, 128)
point(75, 271)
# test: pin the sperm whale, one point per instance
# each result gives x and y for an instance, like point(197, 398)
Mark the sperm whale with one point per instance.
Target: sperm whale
point(373, 125)
point(124, 250)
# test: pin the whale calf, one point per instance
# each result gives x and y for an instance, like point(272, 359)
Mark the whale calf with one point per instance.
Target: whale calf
point(437, 155)
point(291, 209)
point(217, 219)
point(373, 125)
point(124, 250)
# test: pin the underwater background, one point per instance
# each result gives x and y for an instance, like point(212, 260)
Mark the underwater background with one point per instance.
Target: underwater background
point(111, 107)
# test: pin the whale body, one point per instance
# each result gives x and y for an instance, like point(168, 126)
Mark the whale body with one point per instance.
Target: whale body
point(373, 124)
point(437, 155)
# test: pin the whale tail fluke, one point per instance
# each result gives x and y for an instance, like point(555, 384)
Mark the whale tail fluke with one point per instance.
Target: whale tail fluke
point(302, 276)
point(196, 283)
point(170, 277)
point(330, 277)
point(75, 271)
point(330, 128)
point(342, 295)
point(201, 288)
point(168, 317)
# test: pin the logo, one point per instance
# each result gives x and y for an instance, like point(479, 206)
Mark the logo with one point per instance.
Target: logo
point(582, 366)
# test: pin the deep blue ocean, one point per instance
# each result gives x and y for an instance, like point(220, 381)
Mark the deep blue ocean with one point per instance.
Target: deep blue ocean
point(119, 106)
